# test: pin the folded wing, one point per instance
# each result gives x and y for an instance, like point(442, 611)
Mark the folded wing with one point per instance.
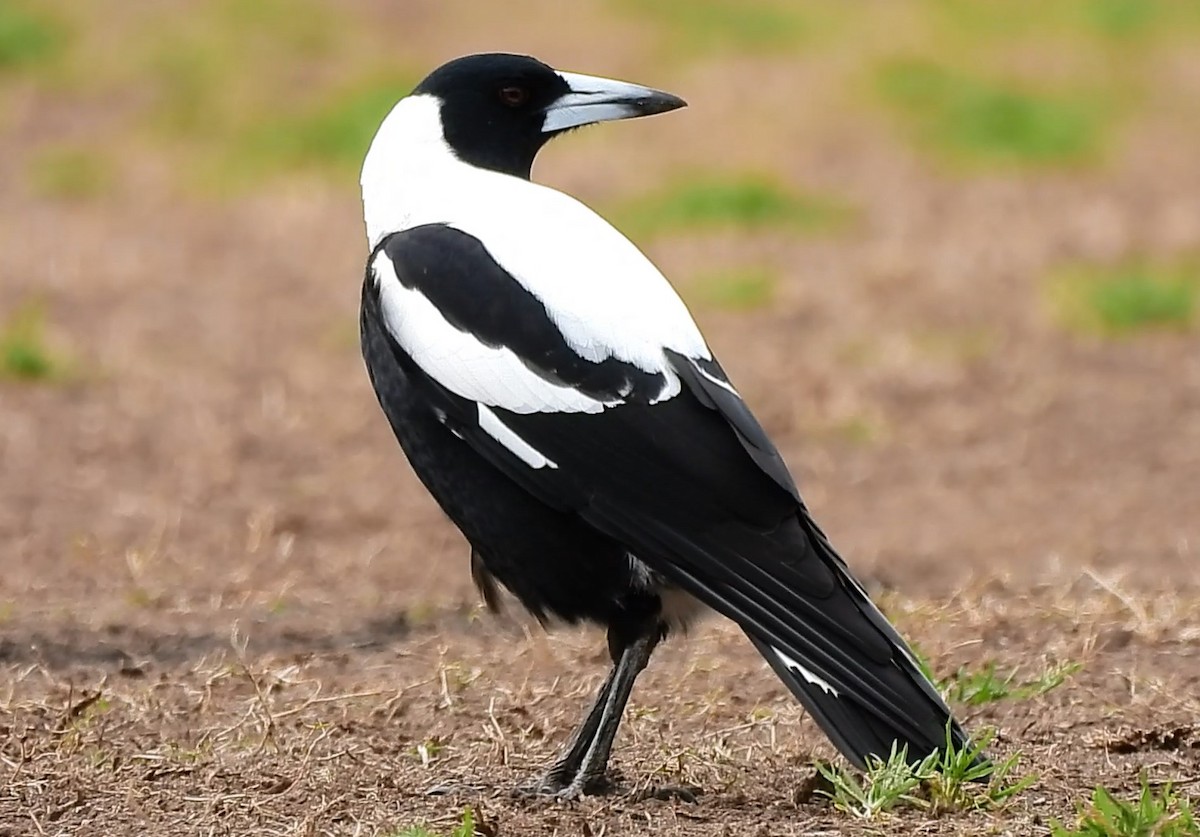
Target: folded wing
point(664, 457)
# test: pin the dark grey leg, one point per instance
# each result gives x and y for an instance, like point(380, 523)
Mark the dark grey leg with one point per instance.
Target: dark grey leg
point(564, 768)
point(589, 775)
point(561, 773)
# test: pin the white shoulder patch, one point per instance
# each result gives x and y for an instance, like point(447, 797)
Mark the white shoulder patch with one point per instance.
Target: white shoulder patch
point(491, 376)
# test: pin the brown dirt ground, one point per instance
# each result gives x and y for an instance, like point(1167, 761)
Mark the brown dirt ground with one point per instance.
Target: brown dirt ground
point(227, 607)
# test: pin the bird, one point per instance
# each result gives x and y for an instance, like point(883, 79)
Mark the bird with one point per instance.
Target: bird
point(554, 395)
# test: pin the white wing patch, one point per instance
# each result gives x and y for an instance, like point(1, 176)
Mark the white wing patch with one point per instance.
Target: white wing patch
point(805, 673)
point(494, 377)
point(491, 424)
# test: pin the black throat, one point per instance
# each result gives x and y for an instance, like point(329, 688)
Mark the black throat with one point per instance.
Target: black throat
point(510, 155)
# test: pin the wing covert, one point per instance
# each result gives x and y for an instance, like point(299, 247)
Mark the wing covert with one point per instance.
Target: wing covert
point(478, 331)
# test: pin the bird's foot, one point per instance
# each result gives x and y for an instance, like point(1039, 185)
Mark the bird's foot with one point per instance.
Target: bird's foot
point(563, 787)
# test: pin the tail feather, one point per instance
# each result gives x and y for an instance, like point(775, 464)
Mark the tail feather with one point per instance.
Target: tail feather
point(812, 621)
point(852, 726)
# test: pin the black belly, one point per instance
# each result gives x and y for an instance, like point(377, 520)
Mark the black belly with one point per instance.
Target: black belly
point(553, 562)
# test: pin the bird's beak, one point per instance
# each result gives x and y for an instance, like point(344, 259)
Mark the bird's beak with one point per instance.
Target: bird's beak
point(594, 99)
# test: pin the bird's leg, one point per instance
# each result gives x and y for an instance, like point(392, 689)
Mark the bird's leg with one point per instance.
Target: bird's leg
point(560, 774)
point(591, 769)
point(564, 768)
point(581, 768)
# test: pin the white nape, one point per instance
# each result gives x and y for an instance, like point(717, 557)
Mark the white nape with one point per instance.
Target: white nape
point(603, 294)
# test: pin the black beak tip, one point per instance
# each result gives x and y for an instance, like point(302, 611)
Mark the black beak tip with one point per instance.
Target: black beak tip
point(661, 103)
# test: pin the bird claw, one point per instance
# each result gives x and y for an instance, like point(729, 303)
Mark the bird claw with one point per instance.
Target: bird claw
point(554, 786)
point(570, 793)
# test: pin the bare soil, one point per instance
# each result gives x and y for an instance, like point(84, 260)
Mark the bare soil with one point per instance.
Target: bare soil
point(227, 607)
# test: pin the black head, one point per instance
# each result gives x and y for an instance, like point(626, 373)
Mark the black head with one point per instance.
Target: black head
point(498, 110)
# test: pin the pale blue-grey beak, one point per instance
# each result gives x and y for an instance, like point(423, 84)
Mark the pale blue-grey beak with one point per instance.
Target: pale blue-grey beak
point(595, 99)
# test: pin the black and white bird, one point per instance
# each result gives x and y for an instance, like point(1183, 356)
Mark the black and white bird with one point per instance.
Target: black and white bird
point(554, 395)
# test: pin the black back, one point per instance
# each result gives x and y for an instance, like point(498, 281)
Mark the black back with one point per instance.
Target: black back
point(493, 108)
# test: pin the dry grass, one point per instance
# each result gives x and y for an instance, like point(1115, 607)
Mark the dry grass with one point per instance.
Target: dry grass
point(333, 742)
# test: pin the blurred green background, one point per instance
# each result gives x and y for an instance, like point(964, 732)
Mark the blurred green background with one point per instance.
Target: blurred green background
point(214, 100)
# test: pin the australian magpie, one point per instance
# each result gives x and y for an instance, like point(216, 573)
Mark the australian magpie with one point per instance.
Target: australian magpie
point(554, 395)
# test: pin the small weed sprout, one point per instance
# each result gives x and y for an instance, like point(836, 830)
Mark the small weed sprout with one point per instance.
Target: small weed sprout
point(886, 784)
point(988, 685)
point(428, 751)
point(956, 783)
point(977, 688)
point(1153, 814)
point(957, 779)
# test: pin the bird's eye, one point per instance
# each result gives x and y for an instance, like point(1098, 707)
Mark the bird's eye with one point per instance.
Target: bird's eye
point(514, 95)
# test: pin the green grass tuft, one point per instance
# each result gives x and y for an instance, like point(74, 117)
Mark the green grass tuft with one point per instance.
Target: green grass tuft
point(1154, 813)
point(987, 685)
point(70, 173)
point(738, 290)
point(24, 353)
point(976, 121)
point(742, 202)
point(887, 784)
point(952, 780)
point(1129, 298)
point(28, 36)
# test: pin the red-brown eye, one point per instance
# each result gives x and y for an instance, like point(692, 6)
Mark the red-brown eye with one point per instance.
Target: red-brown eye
point(514, 95)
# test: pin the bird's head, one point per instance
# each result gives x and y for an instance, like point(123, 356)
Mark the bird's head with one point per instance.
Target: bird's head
point(498, 110)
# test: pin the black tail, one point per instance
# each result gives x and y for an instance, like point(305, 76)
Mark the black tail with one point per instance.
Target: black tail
point(853, 726)
point(816, 627)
